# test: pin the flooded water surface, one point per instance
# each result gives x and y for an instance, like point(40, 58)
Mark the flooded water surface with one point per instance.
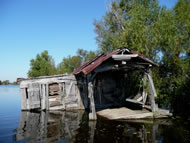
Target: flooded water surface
point(66, 127)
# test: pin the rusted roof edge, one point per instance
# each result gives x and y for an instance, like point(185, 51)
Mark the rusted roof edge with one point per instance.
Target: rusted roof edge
point(78, 70)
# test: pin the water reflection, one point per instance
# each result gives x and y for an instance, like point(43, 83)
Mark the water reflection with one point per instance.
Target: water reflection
point(75, 127)
point(48, 126)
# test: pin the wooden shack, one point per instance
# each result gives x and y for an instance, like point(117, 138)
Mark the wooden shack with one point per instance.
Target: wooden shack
point(98, 84)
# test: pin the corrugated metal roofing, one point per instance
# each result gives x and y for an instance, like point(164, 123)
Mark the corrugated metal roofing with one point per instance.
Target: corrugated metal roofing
point(98, 60)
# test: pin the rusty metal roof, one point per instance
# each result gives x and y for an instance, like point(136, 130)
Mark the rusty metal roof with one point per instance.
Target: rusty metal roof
point(98, 60)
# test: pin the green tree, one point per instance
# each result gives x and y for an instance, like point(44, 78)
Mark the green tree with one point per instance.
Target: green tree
point(86, 55)
point(129, 23)
point(43, 65)
point(69, 64)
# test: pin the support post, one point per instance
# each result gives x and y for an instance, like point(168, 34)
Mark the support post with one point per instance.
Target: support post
point(62, 94)
point(92, 115)
point(149, 75)
point(144, 94)
point(152, 92)
point(23, 98)
point(44, 98)
point(47, 96)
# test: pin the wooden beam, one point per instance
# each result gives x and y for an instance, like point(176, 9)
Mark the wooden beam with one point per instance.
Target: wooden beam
point(144, 95)
point(62, 94)
point(152, 93)
point(69, 90)
point(134, 101)
point(124, 57)
point(23, 98)
point(44, 98)
point(92, 115)
point(149, 75)
point(47, 96)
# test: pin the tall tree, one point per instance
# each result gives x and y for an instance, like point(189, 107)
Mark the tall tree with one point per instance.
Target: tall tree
point(129, 23)
point(42, 65)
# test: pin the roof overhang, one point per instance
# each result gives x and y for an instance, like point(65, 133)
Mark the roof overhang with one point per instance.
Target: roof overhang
point(123, 54)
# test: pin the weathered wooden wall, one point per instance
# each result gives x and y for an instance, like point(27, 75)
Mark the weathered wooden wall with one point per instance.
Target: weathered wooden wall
point(58, 93)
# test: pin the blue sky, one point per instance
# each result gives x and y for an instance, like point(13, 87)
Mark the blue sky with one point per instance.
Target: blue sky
point(28, 27)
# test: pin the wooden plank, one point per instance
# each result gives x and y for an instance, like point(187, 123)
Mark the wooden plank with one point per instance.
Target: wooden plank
point(47, 95)
point(63, 95)
point(145, 98)
point(71, 106)
point(144, 90)
point(23, 85)
point(30, 97)
point(33, 96)
point(34, 89)
point(152, 93)
point(78, 97)
point(56, 108)
point(149, 75)
point(23, 99)
point(43, 100)
point(140, 98)
point(92, 115)
point(69, 90)
point(124, 57)
point(134, 101)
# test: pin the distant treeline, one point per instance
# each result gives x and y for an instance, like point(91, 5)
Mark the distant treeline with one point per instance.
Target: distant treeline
point(6, 82)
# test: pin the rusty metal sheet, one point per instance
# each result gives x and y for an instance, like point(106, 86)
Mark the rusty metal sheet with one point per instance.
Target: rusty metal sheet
point(94, 63)
point(79, 69)
point(91, 65)
point(99, 61)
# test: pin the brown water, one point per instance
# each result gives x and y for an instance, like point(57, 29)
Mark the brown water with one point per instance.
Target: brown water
point(29, 127)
